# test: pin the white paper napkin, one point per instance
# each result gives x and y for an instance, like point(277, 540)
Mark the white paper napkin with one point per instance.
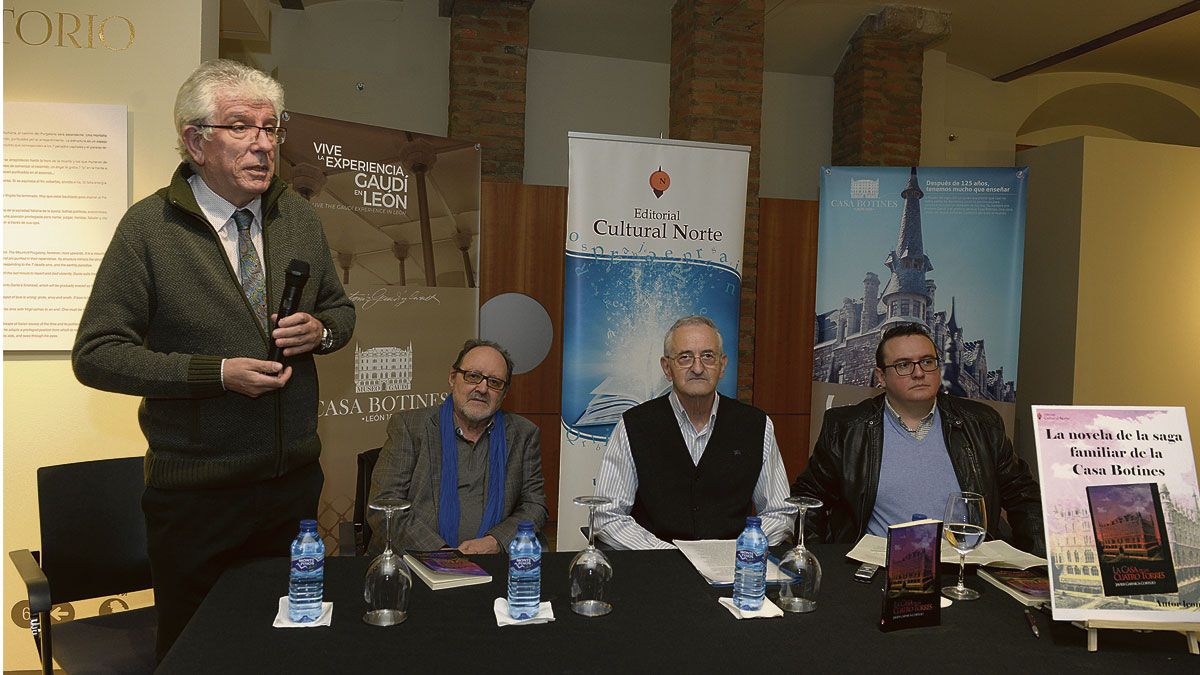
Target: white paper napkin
point(500, 607)
point(282, 620)
point(767, 611)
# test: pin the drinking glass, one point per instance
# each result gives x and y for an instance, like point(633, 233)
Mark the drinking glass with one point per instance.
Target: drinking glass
point(800, 568)
point(964, 526)
point(590, 570)
point(389, 583)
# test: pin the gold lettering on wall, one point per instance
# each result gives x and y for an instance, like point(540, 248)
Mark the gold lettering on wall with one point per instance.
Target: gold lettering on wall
point(66, 29)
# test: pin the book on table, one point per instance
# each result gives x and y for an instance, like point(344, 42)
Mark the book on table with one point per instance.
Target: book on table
point(447, 568)
point(912, 596)
point(1030, 587)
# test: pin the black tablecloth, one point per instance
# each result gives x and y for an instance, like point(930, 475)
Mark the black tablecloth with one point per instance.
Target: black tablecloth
point(665, 616)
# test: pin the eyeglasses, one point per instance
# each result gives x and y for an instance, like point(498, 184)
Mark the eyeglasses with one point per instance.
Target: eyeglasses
point(243, 131)
point(474, 377)
point(928, 364)
point(686, 359)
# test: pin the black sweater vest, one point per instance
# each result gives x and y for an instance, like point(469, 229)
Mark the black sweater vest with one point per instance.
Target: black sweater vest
point(677, 499)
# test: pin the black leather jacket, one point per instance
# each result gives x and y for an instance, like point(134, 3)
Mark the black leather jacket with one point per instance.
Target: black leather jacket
point(844, 472)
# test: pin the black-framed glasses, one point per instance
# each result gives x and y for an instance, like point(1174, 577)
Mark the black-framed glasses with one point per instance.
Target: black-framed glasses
point(475, 377)
point(928, 364)
point(243, 131)
point(707, 358)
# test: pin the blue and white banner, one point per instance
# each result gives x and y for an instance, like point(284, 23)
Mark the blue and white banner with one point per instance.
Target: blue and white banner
point(943, 247)
point(654, 233)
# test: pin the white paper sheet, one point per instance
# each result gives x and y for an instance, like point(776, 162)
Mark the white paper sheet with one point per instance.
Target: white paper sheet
point(713, 559)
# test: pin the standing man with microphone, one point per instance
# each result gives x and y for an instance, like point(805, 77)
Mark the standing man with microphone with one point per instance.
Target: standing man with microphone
point(178, 315)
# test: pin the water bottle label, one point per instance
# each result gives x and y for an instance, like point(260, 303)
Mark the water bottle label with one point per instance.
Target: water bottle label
point(525, 564)
point(749, 557)
point(308, 564)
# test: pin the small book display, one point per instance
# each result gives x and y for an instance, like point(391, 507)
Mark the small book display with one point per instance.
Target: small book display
point(445, 569)
point(912, 597)
point(1122, 511)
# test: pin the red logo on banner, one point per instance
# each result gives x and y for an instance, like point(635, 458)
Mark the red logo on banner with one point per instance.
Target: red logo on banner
point(659, 182)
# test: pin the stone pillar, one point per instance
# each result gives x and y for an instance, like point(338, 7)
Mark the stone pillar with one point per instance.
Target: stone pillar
point(419, 157)
point(463, 241)
point(716, 96)
point(877, 87)
point(345, 261)
point(489, 43)
point(400, 250)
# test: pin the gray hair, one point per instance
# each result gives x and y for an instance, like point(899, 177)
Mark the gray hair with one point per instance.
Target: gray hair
point(480, 342)
point(196, 102)
point(693, 320)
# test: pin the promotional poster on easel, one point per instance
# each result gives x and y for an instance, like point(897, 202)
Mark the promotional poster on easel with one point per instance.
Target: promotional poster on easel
point(1122, 513)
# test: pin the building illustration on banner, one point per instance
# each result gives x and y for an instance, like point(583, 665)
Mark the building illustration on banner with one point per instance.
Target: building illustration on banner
point(846, 336)
point(382, 369)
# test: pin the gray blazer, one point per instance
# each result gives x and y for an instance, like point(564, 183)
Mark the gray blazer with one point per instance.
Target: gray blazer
point(410, 467)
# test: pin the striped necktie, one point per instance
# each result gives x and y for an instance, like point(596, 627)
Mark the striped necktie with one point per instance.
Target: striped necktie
point(250, 271)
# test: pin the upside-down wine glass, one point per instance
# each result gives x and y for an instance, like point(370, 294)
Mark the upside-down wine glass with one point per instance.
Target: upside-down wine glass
point(590, 570)
point(964, 526)
point(800, 568)
point(389, 583)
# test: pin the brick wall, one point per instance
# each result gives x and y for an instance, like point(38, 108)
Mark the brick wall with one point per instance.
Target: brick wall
point(877, 87)
point(877, 104)
point(716, 96)
point(489, 44)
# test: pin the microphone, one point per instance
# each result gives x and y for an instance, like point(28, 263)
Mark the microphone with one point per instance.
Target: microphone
point(293, 286)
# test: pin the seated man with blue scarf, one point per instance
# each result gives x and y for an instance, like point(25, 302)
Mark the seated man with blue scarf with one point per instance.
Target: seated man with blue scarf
point(470, 470)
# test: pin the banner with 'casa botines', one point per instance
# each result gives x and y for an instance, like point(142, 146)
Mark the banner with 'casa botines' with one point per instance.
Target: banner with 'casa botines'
point(401, 213)
point(654, 233)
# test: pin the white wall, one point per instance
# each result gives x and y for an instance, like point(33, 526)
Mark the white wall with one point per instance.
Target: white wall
point(575, 92)
point(985, 116)
point(797, 134)
point(49, 418)
point(399, 51)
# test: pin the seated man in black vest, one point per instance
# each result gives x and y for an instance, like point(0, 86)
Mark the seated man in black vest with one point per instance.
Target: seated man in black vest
point(692, 464)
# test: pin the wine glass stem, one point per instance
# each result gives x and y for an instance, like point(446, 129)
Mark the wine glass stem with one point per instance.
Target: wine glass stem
point(800, 526)
point(962, 562)
point(387, 531)
point(591, 527)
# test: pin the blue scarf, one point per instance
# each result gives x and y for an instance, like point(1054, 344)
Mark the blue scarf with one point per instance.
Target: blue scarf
point(448, 507)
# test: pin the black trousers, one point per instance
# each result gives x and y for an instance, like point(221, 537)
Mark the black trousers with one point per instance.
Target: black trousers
point(195, 535)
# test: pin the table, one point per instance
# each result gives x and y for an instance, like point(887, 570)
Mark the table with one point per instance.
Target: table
point(665, 616)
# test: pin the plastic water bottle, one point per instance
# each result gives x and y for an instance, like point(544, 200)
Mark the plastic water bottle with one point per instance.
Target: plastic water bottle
point(750, 567)
point(524, 573)
point(306, 584)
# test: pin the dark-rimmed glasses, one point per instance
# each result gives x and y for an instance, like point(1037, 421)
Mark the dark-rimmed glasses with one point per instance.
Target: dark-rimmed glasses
point(475, 377)
point(242, 131)
point(903, 368)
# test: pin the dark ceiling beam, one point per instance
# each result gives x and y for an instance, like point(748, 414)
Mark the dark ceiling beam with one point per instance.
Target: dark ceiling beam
point(291, 4)
point(1102, 41)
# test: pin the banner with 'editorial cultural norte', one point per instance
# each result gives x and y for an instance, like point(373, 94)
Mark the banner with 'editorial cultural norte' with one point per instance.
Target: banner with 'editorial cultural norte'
point(654, 233)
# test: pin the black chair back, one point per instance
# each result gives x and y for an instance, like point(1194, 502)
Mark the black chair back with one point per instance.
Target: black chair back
point(362, 492)
point(93, 530)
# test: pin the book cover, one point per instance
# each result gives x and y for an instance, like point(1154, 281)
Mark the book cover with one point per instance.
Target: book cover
point(445, 569)
point(912, 595)
point(1031, 586)
point(449, 561)
point(1122, 512)
point(1131, 540)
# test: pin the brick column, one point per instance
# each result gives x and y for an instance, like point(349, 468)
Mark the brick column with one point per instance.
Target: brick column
point(716, 96)
point(877, 87)
point(489, 44)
